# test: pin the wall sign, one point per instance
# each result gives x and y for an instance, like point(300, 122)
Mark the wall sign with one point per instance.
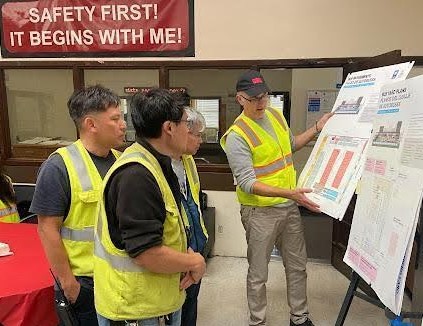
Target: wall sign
point(87, 28)
point(133, 90)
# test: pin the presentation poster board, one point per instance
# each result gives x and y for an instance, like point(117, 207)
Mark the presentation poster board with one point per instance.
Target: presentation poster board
point(337, 160)
point(390, 193)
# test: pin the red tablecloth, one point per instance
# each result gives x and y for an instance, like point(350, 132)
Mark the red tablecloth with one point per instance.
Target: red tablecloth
point(26, 285)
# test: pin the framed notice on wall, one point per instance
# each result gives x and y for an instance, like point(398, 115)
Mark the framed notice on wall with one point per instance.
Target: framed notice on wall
point(319, 102)
point(100, 28)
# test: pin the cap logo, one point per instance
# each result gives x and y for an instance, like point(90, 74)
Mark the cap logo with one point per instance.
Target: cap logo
point(257, 80)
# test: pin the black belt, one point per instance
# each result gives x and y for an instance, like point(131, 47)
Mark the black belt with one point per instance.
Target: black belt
point(117, 323)
point(168, 321)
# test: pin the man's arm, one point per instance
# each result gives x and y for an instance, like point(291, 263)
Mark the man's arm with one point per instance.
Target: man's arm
point(49, 232)
point(139, 215)
point(240, 161)
point(165, 260)
point(51, 203)
point(308, 135)
point(297, 194)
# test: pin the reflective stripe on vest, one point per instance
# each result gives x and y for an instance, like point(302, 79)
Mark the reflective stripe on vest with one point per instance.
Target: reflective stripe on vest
point(120, 263)
point(192, 168)
point(272, 159)
point(194, 186)
point(274, 166)
point(249, 132)
point(278, 117)
point(77, 230)
point(8, 211)
point(81, 169)
point(86, 234)
point(9, 214)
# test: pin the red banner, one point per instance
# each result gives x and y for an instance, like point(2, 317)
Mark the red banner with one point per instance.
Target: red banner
point(87, 28)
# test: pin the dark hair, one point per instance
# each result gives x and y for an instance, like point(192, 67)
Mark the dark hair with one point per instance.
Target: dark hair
point(183, 97)
point(150, 110)
point(91, 99)
point(7, 196)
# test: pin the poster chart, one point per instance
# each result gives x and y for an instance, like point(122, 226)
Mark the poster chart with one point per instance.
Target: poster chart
point(390, 193)
point(336, 162)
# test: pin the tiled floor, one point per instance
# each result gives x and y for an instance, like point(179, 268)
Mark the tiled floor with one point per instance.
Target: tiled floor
point(223, 300)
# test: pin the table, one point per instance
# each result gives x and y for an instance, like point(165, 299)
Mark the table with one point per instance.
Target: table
point(26, 285)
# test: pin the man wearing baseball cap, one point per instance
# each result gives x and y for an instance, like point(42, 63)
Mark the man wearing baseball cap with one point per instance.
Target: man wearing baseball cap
point(259, 148)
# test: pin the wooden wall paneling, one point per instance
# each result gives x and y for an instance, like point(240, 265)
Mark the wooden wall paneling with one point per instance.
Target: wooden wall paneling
point(5, 142)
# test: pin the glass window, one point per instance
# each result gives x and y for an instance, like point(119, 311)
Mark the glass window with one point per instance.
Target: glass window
point(280, 101)
point(125, 83)
point(209, 108)
point(37, 108)
point(276, 101)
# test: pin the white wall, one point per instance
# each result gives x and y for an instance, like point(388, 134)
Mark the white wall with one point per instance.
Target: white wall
point(302, 81)
point(230, 234)
point(215, 82)
point(415, 71)
point(271, 29)
point(278, 80)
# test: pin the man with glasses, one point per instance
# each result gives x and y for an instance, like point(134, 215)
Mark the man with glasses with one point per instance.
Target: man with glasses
point(189, 183)
point(142, 261)
point(259, 148)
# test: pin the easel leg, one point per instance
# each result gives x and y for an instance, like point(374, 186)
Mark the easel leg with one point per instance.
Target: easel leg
point(355, 278)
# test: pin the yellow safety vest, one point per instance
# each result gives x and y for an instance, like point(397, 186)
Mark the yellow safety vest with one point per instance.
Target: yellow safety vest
point(8, 214)
point(124, 290)
point(194, 186)
point(272, 160)
point(77, 231)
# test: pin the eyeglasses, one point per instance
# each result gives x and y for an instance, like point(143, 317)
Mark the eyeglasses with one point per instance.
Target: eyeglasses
point(257, 99)
point(196, 134)
point(190, 123)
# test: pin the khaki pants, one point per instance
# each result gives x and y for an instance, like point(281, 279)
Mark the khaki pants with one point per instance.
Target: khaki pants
point(266, 227)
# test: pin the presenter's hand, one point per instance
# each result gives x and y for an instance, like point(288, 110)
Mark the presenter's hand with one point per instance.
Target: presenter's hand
point(302, 200)
point(322, 121)
point(72, 290)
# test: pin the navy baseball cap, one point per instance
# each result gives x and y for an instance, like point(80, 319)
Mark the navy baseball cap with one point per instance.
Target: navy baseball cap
point(252, 83)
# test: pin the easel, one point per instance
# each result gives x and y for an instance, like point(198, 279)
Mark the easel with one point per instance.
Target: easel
point(418, 284)
point(352, 291)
